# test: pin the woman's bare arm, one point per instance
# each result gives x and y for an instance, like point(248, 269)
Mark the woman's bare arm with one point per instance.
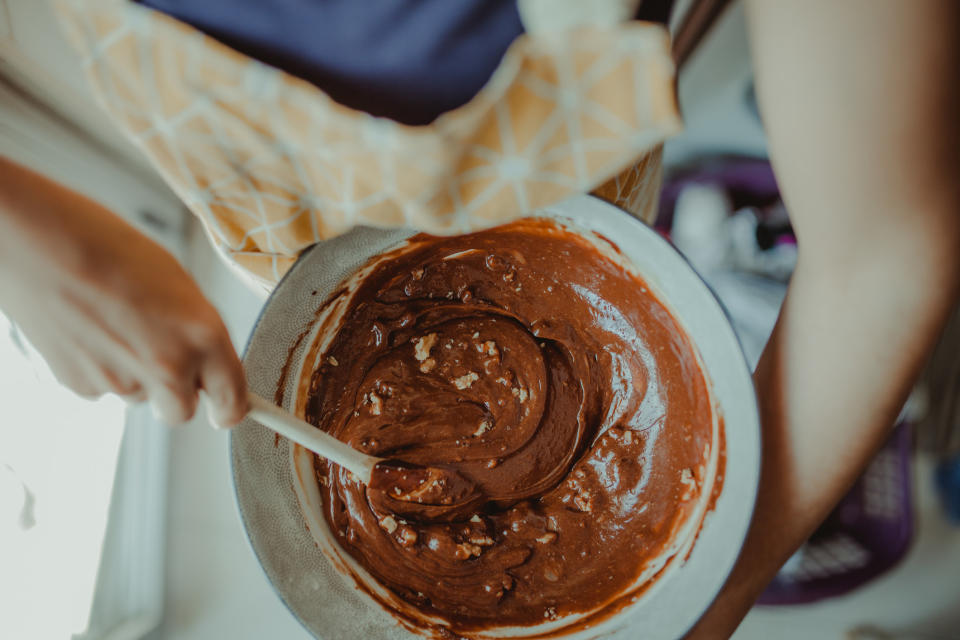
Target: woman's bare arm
point(860, 103)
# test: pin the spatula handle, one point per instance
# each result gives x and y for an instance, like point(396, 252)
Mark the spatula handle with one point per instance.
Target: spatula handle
point(310, 437)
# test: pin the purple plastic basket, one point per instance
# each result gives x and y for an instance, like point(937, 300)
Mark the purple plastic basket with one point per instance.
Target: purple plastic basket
point(866, 535)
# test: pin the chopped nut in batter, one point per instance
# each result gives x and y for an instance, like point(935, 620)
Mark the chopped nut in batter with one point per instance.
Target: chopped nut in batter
point(376, 404)
point(466, 550)
point(583, 502)
point(520, 393)
point(333, 361)
point(408, 537)
point(421, 350)
point(687, 479)
point(483, 428)
point(547, 538)
point(465, 381)
point(388, 524)
point(428, 365)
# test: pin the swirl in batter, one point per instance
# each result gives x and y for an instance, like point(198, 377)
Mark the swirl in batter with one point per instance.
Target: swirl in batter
point(550, 378)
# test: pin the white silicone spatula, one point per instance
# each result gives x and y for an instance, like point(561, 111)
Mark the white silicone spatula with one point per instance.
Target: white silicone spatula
point(308, 436)
point(424, 489)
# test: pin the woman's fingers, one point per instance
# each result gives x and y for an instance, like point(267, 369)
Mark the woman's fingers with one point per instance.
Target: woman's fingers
point(134, 397)
point(201, 359)
point(173, 404)
point(124, 385)
point(76, 381)
point(77, 371)
point(221, 376)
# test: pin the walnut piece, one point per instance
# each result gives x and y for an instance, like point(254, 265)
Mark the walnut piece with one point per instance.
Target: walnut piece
point(583, 502)
point(483, 428)
point(687, 480)
point(421, 350)
point(376, 404)
point(408, 537)
point(388, 524)
point(465, 381)
point(465, 550)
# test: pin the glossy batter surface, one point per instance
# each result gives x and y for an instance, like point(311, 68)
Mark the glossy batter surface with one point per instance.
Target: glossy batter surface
point(545, 375)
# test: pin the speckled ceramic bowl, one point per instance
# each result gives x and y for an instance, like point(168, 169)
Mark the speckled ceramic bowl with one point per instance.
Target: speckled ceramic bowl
point(279, 502)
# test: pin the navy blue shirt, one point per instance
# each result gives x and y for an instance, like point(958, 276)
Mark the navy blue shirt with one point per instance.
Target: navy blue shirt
point(409, 60)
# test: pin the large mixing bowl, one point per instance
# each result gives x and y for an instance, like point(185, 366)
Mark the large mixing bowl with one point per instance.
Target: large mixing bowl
point(276, 488)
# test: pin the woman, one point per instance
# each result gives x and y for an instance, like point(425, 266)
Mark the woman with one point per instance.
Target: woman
point(859, 100)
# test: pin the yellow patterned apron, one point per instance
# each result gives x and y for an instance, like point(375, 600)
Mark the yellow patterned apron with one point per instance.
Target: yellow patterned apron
point(271, 164)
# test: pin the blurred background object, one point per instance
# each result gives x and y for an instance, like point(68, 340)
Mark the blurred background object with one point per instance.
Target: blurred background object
point(940, 430)
point(939, 433)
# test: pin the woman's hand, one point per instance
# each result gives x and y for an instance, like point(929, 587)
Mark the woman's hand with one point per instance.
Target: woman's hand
point(109, 309)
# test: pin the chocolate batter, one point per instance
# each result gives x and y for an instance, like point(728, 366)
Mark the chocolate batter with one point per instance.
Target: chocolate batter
point(553, 382)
